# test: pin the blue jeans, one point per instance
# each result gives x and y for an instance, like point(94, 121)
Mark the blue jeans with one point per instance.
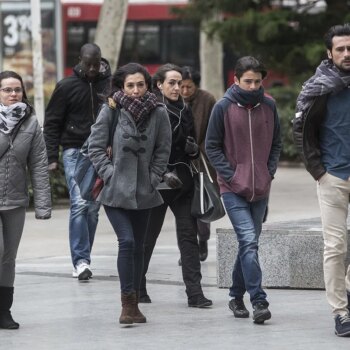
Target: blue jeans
point(246, 218)
point(83, 214)
point(130, 227)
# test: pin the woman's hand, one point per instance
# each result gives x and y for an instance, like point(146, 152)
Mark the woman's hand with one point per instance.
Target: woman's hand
point(172, 180)
point(191, 146)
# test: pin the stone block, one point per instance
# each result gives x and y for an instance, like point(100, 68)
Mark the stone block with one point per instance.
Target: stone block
point(290, 254)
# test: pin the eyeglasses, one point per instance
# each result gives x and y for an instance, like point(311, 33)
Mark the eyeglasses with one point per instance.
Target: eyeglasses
point(9, 90)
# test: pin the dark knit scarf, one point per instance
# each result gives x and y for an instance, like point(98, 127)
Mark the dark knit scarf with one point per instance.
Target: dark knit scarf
point(11, 115)
point(140, 107)
point(247, 98)
point(327, 79)
point(176, 109)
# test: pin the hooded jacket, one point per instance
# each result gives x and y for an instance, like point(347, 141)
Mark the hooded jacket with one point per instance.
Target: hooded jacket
point(73, 108)
point(243, 145)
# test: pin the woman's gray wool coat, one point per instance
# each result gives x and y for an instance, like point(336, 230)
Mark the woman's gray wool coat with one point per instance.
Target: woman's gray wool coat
point(27, 154)
point(139, 157)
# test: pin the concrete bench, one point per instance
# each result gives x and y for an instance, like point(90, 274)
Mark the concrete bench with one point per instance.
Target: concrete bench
point(290, 254)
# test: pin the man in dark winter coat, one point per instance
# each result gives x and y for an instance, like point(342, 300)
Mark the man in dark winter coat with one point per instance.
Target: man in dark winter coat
point(243, 144)
point(321, 134)
point(71, 111)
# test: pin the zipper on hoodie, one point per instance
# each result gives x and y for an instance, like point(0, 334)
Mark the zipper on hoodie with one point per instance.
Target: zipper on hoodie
point(251, 147)
point(92, 103)
point(251, 152)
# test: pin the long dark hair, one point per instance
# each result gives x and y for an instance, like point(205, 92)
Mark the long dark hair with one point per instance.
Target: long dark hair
point(11, 74)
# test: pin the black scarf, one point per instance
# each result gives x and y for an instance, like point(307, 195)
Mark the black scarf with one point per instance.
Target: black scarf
point(247, 98)
point(140, 107)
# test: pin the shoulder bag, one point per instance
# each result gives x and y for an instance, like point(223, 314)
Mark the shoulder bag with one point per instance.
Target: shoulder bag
point(85, 175)
point(206, 202)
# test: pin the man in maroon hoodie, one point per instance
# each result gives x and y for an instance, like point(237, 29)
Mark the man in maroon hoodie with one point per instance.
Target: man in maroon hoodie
point(243, 144)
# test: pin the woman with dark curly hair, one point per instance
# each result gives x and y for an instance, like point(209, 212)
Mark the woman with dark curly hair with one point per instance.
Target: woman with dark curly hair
point(140, 153)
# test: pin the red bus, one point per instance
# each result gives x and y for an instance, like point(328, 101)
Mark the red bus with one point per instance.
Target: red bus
point(152, 35)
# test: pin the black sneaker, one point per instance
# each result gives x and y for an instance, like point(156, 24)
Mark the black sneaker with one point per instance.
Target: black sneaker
point(238, 308)
point(261, 313)
point(342, 326)
point(145, 299)
point(203, 250)
point(199, 301)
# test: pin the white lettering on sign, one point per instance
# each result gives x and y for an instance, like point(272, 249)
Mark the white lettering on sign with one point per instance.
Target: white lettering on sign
point(73, 11)
point(15, 25)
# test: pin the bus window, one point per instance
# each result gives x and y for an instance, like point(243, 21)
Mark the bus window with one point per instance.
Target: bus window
point(183, 44)
point(78, 34)
point(140, 43)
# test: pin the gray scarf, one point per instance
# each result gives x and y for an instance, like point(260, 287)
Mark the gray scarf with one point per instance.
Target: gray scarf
point(327, 79)
point(11, 115)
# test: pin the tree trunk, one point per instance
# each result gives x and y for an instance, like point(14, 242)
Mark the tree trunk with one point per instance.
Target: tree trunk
point(211, 61)
point(110, 29)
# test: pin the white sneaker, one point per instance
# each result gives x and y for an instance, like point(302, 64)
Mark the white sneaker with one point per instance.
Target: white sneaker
point(83, 271)
point(74, 273)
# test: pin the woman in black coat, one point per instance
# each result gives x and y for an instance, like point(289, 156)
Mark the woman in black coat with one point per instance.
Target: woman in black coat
point(177, 188)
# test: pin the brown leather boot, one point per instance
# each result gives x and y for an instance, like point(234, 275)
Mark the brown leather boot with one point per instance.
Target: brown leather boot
point(127, 314)
point(139, 317)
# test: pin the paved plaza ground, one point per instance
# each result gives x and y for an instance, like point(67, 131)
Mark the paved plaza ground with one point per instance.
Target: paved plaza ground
point(58, 313)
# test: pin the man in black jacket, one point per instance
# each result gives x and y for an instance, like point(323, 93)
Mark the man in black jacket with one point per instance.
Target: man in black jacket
point(71, 111)
point(321, 133)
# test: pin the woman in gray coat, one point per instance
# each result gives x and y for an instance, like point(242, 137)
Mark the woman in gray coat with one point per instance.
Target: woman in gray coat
point(140, 153)
point(22, 148)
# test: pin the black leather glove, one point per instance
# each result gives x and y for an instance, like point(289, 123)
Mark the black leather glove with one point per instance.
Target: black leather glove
point(172, 180)
point(191, 146)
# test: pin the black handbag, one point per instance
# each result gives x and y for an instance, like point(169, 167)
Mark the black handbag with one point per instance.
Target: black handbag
point(206, 202)
point(85, 175)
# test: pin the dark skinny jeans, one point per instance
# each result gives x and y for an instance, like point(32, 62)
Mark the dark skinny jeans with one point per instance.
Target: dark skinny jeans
point(130, 228)
point(186, 236)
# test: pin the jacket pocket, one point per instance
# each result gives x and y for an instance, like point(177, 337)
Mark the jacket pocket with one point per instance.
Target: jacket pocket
point(262, 180)
point(72, 129)
point(242, 181)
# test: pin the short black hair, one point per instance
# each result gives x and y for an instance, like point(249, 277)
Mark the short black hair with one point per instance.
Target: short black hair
point(118, 78)
point(247, 63)
point(191, 74)
point(91, 48)
point(337, 30)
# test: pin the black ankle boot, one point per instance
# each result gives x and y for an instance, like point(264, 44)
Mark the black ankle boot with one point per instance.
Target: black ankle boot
point(6, 300)
point(203, 250)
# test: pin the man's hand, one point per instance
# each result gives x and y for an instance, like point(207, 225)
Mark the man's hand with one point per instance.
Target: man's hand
point(172, 180)
point(191, 146)
point(53, 166)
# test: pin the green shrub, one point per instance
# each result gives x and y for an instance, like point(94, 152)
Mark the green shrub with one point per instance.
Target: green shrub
point(285, 97)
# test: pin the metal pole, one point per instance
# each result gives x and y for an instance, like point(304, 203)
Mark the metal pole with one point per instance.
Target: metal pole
point(37, 61)
point(59, 42)
point(1, 36)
